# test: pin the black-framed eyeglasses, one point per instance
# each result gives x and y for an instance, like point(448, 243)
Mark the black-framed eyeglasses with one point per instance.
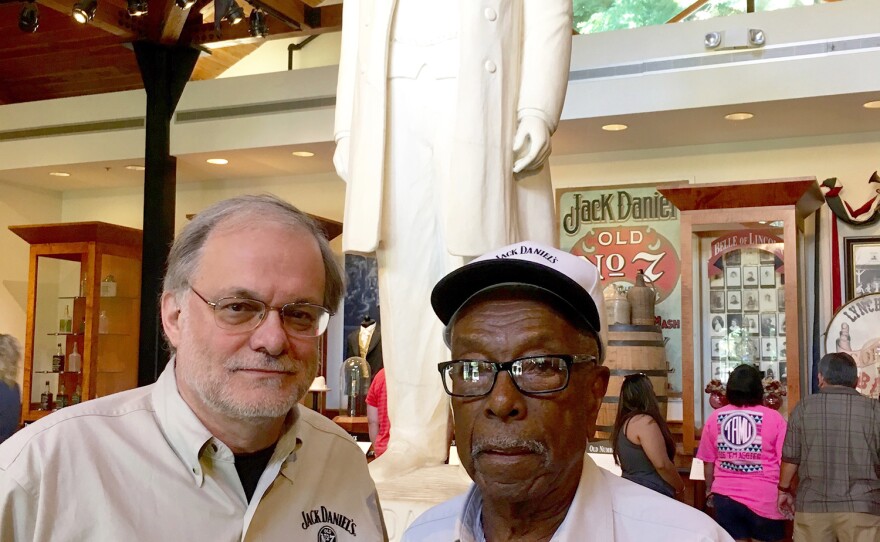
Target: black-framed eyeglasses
point(531, 374)
point(243, 314)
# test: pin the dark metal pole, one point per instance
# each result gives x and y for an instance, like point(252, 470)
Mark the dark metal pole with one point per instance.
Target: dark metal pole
point(165, 71)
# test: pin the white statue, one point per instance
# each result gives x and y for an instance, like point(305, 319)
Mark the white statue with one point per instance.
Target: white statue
point(444, 114)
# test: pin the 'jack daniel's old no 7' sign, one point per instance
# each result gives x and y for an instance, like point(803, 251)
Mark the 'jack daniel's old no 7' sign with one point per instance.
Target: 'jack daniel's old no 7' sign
point(622, 230)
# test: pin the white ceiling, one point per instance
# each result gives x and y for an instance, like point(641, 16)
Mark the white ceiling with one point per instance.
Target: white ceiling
point(827, 115)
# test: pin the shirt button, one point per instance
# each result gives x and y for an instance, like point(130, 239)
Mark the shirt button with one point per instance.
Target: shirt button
point(213, 447)
point(490, 14)
point(195, 470)
point(490, 66)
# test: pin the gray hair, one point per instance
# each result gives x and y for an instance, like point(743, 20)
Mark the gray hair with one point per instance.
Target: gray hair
point(10, 354)
point(185, 254)
point(839, 369)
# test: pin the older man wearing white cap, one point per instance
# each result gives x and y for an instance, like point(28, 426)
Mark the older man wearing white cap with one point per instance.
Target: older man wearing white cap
point(525, 326)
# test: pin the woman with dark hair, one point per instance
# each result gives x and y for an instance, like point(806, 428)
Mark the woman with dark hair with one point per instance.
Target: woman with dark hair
point(641, 441)
point(741, 450)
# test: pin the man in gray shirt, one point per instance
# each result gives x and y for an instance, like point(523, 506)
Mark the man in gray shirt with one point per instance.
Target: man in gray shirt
point(833, 444)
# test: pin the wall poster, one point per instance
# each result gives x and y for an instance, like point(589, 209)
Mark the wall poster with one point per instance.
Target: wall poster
point(624, 229)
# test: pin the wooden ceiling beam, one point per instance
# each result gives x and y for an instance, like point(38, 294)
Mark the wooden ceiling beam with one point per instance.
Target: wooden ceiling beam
point(292, 12)
point(327, 19)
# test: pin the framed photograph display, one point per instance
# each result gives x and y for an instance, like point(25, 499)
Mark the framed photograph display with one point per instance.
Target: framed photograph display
point(750, 300)
point(716, 301)
point(750, 323)
point(718, 325)
point(768, 324)
point(768, 277)
point(862, 263)
point(746, 241)
point(732, 276)
point(734, 300)
point(769, 300)
point(750, 276)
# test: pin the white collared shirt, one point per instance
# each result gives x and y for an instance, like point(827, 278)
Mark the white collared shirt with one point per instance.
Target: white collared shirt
point(605, 508)
point(139, 465)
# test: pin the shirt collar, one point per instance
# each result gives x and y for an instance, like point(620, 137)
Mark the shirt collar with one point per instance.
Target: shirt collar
point(839, 389)
point(183, 430)
point(590, 511)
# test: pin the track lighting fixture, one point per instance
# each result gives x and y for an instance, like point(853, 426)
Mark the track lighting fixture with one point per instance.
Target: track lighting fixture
point(235, 14)
point(29, 17)
point(258, 27)
point(185, 4)
point(136, 8)
point(84, 10)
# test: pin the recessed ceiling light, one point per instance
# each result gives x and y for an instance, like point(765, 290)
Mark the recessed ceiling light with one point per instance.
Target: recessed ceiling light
point(135, 168)
point(217, 161)
point(872, 105)
point(303, 154)
point(614, 127)
point(59, 174)
point(739, 116)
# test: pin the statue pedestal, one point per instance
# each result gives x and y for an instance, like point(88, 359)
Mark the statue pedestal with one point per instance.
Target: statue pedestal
point(404, 498)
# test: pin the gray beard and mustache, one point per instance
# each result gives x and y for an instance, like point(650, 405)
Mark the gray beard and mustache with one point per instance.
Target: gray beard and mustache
point(494, 443)
point(217, 393)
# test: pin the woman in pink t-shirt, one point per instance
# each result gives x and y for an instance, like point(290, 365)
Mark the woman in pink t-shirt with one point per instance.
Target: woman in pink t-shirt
point(741, 448)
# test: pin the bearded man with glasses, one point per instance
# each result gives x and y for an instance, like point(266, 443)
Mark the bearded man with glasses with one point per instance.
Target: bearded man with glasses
point(218, 448)
point(525, 326)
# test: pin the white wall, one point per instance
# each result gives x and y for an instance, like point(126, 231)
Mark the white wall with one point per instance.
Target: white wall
point(272, 56)
point(20, 206)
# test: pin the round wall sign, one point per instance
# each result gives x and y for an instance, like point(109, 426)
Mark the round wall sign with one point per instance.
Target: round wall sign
point(855, 329)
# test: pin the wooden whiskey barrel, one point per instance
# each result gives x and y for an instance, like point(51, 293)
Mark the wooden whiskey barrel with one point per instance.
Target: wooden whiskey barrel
point(632, 349)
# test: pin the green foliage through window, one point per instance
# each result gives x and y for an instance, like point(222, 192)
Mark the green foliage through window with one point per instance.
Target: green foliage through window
point(591, 16)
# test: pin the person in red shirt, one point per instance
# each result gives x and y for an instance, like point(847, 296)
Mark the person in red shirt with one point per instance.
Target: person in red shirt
point(377, 414)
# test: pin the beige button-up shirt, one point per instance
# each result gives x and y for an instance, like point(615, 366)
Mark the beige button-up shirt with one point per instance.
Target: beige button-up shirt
point(139, 465)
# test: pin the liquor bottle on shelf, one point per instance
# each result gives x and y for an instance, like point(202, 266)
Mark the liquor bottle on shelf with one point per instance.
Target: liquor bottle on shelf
point(77, 395)
point(61, 400)
point(46, 398)
point(103, 323)
point(58, 361)
point(65, 324)
point(74, 360)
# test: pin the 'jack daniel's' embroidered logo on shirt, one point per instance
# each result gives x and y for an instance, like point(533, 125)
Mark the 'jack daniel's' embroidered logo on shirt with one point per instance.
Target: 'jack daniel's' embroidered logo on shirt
point(323, 515)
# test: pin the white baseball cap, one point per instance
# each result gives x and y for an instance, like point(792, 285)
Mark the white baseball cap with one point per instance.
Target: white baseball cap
point(574, 280)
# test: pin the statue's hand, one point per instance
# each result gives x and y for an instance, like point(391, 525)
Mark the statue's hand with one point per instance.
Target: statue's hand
point(531, 144)
point(341, 157)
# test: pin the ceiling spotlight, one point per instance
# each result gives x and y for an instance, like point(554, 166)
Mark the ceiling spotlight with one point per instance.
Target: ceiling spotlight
point(217, 161)
point(59, 174)
point(84, 10)
point(135, 167)
point(29, 18)
point(872, 105)
point(234, 14)
point(136, 8)
point(258, 26)
point(757, 37)
point(303, 154)
point(185, 4)
point(615, 127)
point(712, 40)
point(739, 116)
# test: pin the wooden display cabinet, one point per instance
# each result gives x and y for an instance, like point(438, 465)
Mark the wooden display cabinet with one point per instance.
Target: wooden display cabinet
point(720, 293)
point(68, 264)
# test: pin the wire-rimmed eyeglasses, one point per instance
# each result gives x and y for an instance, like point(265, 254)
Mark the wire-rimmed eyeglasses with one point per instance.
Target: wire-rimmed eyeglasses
point(243, 314)
point(531, 374)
